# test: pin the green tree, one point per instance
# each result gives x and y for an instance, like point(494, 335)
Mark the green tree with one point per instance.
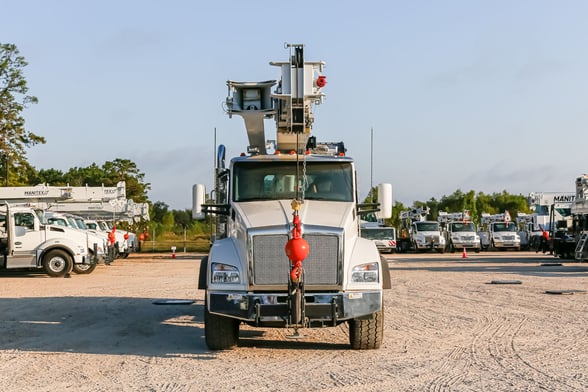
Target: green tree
point(127, 171)
point(14, 98)
point(158, 211)
point(183, 218)
point(52, 177)
point(92, 175)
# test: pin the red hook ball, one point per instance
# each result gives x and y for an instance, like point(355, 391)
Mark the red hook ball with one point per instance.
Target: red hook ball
point(297, 249)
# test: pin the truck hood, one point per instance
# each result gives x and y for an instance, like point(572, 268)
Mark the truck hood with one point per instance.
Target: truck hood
point(279, 212)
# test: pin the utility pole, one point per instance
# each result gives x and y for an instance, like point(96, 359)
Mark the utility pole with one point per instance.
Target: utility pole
point(372, 165)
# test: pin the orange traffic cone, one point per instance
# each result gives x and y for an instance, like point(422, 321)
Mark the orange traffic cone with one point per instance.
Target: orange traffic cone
point(464, 255)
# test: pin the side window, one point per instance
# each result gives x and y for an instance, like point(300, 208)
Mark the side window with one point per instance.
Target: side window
point(24, 219)
point(2, 225)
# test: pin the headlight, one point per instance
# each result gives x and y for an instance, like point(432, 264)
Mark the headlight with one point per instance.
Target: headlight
point(224, 273)
point(365, 273)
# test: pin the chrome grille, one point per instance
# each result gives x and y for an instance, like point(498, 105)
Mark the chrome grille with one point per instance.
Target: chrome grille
point(271, 266)
point(429, 239)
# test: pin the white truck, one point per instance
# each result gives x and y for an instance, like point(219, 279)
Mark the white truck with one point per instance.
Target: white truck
point(26, 243)
point(124, 241)
point(287, 251)
point(459, 231)
point(96, 242)
point(551, 211)
point(418, 233)
point(573, 243)
point(502, 233)
point(383, 236)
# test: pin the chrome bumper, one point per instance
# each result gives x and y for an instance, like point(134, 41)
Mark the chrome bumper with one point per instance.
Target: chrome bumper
point(272, 309)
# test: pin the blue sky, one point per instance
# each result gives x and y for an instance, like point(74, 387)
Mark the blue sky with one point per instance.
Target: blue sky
point(472, 95)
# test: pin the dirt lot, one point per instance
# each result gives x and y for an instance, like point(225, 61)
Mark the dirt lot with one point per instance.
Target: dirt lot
point(447, 327)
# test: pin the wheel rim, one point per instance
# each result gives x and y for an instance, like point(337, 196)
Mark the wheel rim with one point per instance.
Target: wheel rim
point(57, 264)
point(83, 267)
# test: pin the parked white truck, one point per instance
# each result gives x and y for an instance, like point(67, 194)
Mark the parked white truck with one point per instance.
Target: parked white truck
point(459, 231)
point(419, 234)
point(383, 236)
point(502, 233)
point(26, 243)
point(96, 242)
point(287, 251)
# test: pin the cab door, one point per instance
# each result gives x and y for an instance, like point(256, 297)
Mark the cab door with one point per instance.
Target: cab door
point(24, 239)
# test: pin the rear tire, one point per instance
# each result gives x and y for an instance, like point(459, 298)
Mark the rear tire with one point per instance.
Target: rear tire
point(367, 334)
point(57, 263)
point(221, 333)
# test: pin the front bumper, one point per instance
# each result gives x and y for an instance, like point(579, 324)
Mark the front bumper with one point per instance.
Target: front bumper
point(466, 244)
point(507, 244)
point(430, 245)
point(272, 309)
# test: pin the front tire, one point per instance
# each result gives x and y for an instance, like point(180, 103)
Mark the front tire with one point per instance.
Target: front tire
point(367, 334)
point(57, 263)
point(83, 269)
point(221, 333)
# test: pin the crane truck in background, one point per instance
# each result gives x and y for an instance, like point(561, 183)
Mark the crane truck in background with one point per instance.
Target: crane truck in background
point(529, 231)
point(579, 232)
point(419, 234)
point(459, 231)
point(552, 212)
point(383, 236)
point(287, 252)
point(499, 232)
point(27, 243)
point(570, 238)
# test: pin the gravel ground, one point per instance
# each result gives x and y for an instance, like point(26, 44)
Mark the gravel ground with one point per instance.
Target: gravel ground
point(447, 327)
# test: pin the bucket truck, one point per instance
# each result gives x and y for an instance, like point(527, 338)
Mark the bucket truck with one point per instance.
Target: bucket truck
point(502, 233)
point(287, 251)
point(419, 234)
point(459, 231)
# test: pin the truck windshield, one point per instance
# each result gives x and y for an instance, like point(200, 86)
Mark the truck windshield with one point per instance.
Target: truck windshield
point(270, 180)
point(378, 234)
point(427, 226)
point(462, 226)
point(505, 227)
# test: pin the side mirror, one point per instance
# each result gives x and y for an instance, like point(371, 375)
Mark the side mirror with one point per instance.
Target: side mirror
point(198, 198)
point(385, 200)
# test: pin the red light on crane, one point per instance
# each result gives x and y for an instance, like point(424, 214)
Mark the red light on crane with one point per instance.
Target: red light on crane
point(321, 81)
